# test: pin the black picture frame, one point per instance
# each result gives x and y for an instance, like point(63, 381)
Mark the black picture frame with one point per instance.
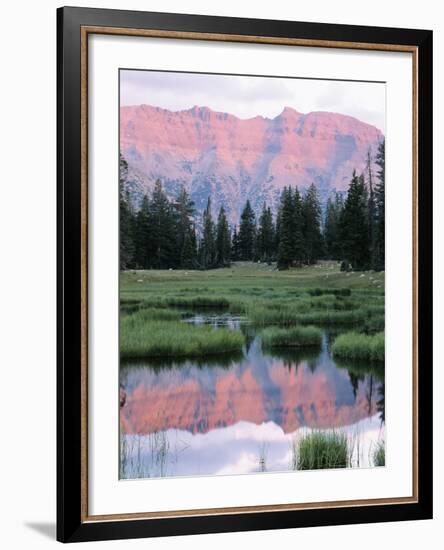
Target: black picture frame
point(71, 523)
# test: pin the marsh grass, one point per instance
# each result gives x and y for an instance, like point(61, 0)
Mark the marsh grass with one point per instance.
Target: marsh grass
point(262, 459)
point(291, 337)
point(320, 450)
point(374, 324)
point(153, 314)
point(379, 454)
point(259, 289)
point(357, 346)
point(291, 314)
point(144, 456)
point(143, 337)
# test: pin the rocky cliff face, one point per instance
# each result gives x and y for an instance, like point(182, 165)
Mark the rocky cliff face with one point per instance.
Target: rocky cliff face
point(233, 160)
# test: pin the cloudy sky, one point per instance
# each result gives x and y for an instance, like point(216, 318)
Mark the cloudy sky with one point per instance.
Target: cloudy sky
point(249, 96)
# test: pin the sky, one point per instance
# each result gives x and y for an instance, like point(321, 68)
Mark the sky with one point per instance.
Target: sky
point(250, 96)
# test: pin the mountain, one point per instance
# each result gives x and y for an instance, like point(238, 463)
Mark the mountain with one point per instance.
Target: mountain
point(233, 159)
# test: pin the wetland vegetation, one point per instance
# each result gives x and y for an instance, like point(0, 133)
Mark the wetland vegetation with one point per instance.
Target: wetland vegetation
point(190, 327)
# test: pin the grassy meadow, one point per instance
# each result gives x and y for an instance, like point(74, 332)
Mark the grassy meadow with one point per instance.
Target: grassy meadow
point(287, 306)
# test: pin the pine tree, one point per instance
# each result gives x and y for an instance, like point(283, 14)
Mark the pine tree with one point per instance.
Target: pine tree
point(380, 209)
point(312, 233)
point(235, 245)
point(247, 231)
point(165, 253)
point(143, 235)
point(223, 240)
point(371, 211)
point(126, 219)
point(188, 259)
point(299, 244)
point(354, 225)
point(207, 248)
point(330, 227)
point(285, 254)
point(185, 236)
point(332, 238)
point(265, 235)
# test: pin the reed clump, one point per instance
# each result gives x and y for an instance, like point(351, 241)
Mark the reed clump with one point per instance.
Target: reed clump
point(354, 345)
point(321, 450)
point(298, 336)
point(143, 336)
point(379, 454)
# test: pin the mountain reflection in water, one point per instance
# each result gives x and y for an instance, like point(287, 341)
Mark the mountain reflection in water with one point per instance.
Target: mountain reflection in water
point(241, 413)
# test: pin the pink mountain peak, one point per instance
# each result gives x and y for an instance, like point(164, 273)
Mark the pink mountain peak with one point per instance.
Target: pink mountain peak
point(235, 159)
point(289, 111)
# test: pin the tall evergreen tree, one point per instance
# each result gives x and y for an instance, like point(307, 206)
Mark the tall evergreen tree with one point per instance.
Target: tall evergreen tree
point(247, 231)
point(371, 211)
point(207, 248)
point(354, 225)
point(298, 228)
point(286, 217)
point(143, 244)
point(265, 235)
point(185, 235)
point(223, 239)
point(126, 219)
point(188, 258)
point(235, 245)
point(330, 228)
point(312, 233)
point(380, 208)
point(332, 237)
point(163, 230)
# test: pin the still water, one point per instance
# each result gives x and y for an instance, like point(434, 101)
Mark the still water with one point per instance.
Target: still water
point(244, 412)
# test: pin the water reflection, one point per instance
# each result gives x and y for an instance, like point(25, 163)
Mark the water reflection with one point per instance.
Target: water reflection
point(239, 413)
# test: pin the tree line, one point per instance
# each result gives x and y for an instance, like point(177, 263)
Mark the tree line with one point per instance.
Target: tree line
point(162, 233)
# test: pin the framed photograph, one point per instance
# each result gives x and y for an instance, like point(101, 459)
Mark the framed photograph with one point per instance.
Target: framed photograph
point(244, 274)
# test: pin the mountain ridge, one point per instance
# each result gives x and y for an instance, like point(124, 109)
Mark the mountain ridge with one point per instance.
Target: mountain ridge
point(232, 159)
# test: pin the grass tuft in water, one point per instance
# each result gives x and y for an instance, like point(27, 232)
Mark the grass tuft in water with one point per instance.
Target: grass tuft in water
point(353, 345)
point(141, 336)
point(291, 337)
point(321, 450)
point(379, 454)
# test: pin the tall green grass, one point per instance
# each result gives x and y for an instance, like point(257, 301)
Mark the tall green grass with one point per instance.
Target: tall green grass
point(261, 315)
point(321, 450)
point(374, 324)
point(353, 345)
point(379, 454)
point(291, 337)
point(152, 314)
point(144, 337)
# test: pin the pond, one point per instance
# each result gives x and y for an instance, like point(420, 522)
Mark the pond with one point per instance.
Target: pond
point(244, 412)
